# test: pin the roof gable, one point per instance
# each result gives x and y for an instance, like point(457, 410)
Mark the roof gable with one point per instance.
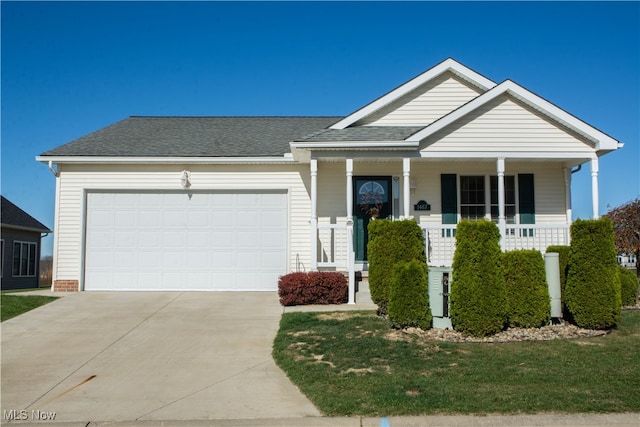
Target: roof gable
point(14, 217)
point(602, 142)
point(461, 72)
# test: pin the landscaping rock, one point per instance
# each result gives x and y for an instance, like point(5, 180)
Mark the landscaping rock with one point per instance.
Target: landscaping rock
point(546, 333)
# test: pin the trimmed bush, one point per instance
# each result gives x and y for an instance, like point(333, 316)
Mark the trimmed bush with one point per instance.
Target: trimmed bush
point(528, 303)
point(478, 295)
point(563, 260)
point(629, 287)
point(593, 295)
point(391, 242)
point(313, 288)
point(409, 296)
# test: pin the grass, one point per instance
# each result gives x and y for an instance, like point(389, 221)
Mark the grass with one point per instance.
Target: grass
point(354, 364)
point(14, 305)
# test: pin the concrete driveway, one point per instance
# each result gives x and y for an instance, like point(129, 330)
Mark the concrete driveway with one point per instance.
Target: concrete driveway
point(124, 356)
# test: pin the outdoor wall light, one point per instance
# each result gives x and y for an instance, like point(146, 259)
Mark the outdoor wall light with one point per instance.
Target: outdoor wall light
point(412, 184)
point(184, 180)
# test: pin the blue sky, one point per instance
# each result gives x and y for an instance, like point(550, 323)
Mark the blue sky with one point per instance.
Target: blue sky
point(71, 68)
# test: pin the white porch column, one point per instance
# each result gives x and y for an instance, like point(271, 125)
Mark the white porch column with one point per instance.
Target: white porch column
point(350, 253)
point(314, 214)
point(502, 222)
point(349, 189)
point(594, 187)
point(567, 194)
point(406, 182)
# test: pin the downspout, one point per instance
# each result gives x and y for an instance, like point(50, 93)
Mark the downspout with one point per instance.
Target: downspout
point(577, 170)
point(53, 170)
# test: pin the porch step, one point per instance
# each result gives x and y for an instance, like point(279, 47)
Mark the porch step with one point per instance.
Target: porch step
point(363, 296)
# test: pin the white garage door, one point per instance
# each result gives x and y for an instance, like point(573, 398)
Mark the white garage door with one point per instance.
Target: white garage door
point(170, 241)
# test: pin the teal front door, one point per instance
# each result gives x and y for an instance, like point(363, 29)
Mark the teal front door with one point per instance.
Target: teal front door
point(371, 200)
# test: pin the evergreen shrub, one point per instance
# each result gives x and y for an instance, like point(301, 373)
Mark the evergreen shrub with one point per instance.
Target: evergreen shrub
point(391, 242)
point(409, 296)
point(563, 260)
point(478, 295)
point(629, 286)
point(528, 303)
point(316, 287)
point(593, 294)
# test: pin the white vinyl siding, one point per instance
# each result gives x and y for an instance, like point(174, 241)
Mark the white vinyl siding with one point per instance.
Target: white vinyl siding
point(425, 104)
point(76, 179)
point(505, 125)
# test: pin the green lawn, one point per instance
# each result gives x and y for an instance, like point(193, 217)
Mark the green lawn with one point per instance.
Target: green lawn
point(14, 305)
point(351, 364)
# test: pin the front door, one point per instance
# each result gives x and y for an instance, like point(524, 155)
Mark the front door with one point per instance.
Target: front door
point(371, 200)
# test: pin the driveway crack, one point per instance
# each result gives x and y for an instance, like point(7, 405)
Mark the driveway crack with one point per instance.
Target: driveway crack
point(104, 349)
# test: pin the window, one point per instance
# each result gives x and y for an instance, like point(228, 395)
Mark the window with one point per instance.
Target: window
point(509, 199)
point(472, 197)
point(24, 259)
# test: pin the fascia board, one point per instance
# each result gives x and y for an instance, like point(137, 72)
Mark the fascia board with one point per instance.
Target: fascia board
point(447, 65)
point(601, 140)
point(456, 155)
point(23, 228)
point(162, 160)
point(348, 145)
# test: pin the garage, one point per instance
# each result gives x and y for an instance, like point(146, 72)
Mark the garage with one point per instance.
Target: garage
point(174, 241)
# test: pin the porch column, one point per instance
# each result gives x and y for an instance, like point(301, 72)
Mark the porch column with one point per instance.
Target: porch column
point(314, 214)
point(567, 194)
point(406, 169)
point(350, 254)
point(594, 187)
point(502, 222)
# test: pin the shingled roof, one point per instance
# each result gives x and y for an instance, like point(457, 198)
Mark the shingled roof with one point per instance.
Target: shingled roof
point(195, 137)
point(14, 217)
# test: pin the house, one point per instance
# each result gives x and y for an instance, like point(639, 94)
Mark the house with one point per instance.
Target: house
point(20, 236)
point(231, 203)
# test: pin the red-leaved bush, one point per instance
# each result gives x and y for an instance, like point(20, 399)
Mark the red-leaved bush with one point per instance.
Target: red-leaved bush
point(313, 288)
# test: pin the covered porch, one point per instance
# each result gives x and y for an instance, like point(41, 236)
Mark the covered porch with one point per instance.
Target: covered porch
point(414, 191)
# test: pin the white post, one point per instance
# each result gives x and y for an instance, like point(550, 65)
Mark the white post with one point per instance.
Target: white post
point(502, 222)
point(350, 253)
point(567, 194)
point(406, 181)
point(594, 187)
point(314, 214)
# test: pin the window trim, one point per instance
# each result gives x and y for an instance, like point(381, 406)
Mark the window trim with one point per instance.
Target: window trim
point(487, 198)
point(19, 272)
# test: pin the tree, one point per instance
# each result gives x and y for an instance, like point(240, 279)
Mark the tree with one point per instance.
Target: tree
point(626, 228)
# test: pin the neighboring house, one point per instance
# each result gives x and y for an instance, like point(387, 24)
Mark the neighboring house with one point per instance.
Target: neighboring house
point(19, 247)
point(231, 203)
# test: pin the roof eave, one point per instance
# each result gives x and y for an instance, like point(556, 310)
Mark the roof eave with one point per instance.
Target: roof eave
point(286, 158)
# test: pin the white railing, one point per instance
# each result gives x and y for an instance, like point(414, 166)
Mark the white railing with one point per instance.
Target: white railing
point(440, 240)
point(333, 246)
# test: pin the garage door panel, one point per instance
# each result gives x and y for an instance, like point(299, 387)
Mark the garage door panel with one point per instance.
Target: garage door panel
point(211, 241)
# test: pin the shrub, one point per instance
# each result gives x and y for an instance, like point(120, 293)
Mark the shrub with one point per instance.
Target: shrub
point(563, 260)
point(313, 288)
point(409, 296)
point(629, 286)
point(390, 242)
point(528, 303)
point(478, 293)
point(593, 295)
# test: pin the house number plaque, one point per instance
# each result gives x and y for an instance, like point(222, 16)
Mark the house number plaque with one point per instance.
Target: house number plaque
point(422, 206)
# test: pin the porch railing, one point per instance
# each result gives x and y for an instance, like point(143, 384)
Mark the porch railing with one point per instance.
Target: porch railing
point(333, 246)
point(440, 240)
point(335, 241)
